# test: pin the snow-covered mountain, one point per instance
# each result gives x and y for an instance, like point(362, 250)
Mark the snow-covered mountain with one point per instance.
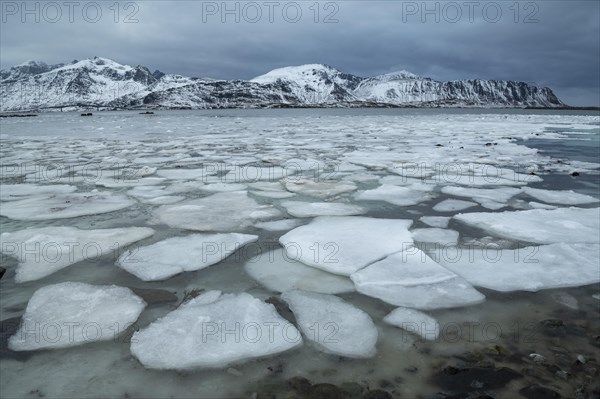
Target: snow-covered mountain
point(100, 82)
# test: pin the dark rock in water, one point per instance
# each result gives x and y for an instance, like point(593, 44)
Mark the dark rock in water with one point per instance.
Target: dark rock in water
point(553, 327)
point(468, 379)
point(575, 174)
point(377, 394)
point(539, 392)
point(282, 308)
point(2, 271)
point(326, 391)
point(191, 294)
point(154, 296)
point(469, 395)
point(353, 389)
point(147, 113)
point(87, 114)
point(299, 384)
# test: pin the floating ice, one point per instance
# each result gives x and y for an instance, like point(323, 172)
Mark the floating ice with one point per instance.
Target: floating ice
point(436, 235)
point(11, 192)
point(562, 197)
point(530, 268)
point(129, 182)
point(412, 279)
point(401, 196)
point(218, 212)
point(252, 173)
point(539, 225)
point(189, 174)
point(223, 187)
point(274, 194)
point(202, 333)
point(539, 205)
point(501, 194)
point(415, 322)
point(335, 326)
point(320, 189)
point(279, 225)
point(338, 244)
point(303, 209)
point(276, 271)
point(43, 251)
point(70, 314)
point(61, 206)
point(451, 205)
point(176, 255)
point(436, 221)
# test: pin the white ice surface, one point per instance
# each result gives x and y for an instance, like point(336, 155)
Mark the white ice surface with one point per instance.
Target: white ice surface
point(436, 235)
point(333, 325)
point(530, 268)
point(345, 244)
point(540, 226)
point(61, 206)
point(415, 322)
point(451, 205)
point(45, 250)
point(401, 196)
point(11, 192)
point(436, 221)
point(279, 273)
point(198, 333)
point(218, 212)
point(279, 225)
point(175, 255)
point(559, 197)
point(412, 279)
point(319, 189)
point(70, 314)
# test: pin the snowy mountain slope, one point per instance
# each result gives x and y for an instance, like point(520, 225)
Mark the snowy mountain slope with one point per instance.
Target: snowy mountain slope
point(101, 82)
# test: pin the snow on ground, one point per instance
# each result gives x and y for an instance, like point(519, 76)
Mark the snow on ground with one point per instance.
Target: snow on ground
point(277, 272)
point(43, 251)
point(70, 314)
point(334, 326)
point(176, 255)
point(201, 333)
point(338, 244)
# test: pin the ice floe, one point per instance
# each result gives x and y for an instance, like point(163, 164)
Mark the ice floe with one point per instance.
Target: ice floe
point(61, 206)
point(540, 226)
point(303, 209)
point(70, 314)
point(320, 189)
point(218, 212)
point(276, 271)
point(436, 235)
point(413, 321)
point(530, 268)
point(334, 325)
point(559, 197)
point(279, 225)
point(412, 279)
point(436, 221)
point(176, 255)
point(214, 330)
point(43, 251)
point(451, 205)
point(339, 244)
point(12, 192)
point(401, 196)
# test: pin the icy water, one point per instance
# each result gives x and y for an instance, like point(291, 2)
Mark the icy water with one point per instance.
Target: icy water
point(234, 171)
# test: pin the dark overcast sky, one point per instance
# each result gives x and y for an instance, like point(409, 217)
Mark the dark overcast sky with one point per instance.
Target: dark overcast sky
point(549, 43)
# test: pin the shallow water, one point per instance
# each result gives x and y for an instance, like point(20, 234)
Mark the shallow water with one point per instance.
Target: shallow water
point(382, 142)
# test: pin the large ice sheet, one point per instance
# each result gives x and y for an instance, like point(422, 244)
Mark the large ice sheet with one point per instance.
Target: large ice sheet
point(334, 325)
point(43, 251)
point(218, 212)
point(560, 197)
point(276, 271)
point(540, 226)
point(61, 206)
point(345, 244)
point(436, 235)
point(412, 279)
point(176, 255)
point(202, 333)
point(415, 322)
point(401, 196)
point(70, 314)
point(303, 209)
point(319, 189)
point(11, 192)
point(501, 194)
point(530, 268)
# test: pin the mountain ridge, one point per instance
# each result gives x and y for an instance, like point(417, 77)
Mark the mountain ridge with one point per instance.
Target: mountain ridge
point(104, 83)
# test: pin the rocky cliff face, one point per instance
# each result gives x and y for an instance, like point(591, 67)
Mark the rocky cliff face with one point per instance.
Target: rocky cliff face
point(100, 82)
